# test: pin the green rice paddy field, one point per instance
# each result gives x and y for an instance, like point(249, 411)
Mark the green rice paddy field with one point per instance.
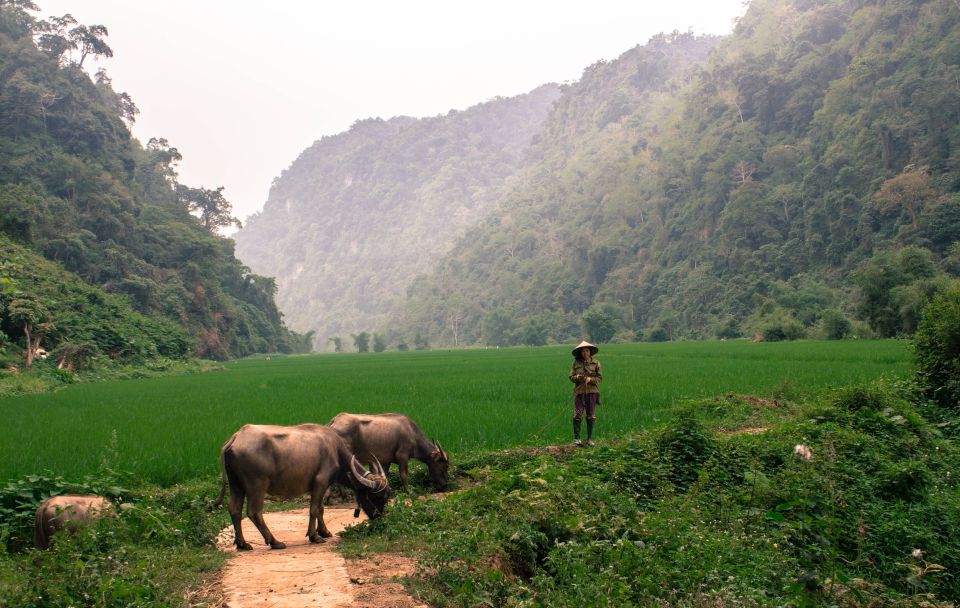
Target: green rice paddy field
point(170, 429)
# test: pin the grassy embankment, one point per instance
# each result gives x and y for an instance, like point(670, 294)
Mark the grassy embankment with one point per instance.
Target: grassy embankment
point(847, 498)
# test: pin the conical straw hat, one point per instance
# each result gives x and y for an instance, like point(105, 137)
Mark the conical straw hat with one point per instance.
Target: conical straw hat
point(593, 349)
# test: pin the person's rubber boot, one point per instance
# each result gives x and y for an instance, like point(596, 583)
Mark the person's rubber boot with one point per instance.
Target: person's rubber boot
point(589, 432)
point(576, 432)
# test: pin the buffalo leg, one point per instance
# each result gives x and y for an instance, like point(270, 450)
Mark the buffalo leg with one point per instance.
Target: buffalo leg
point(255, 513)
point(402, 462)
point(236, 516)
point(316, 529)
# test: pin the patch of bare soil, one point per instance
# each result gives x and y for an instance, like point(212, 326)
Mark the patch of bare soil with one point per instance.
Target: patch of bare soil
point(753, 430)
point(751, 399)
point(306, 574)
point(376, 583)
point(552, 450)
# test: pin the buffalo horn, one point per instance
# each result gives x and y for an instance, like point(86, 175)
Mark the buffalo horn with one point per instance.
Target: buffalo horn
point(358, 473)
point(379, 470)
point(443, 455)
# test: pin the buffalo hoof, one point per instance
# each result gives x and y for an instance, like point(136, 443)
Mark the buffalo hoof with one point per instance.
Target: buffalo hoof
point(316, 538)
point(278, 545)
point(244, 547)
point(325, 533)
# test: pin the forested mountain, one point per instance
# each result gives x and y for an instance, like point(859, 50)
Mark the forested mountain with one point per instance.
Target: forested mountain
point(806, 177)
point(76, 188)
point(359, 215)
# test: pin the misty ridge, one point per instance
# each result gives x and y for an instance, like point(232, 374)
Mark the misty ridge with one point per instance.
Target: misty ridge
point(795, 179)
point(359, 216)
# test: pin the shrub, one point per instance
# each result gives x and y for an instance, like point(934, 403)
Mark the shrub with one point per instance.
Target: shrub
point(779, 328)
point(729, 329)
point(684, 446)
point(834, 325)
point(936, 347)
point(657, 334)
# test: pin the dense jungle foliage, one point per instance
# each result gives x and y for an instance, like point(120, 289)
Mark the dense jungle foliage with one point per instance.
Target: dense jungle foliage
point(804, 182)
point(351, 223)
point(137, 268)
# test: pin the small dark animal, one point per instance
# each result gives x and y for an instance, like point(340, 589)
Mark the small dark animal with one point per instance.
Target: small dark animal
point(391, 438)
point(289, 461)
point(66, 513)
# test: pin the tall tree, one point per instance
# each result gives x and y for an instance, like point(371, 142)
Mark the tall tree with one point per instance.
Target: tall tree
point(214, 210)
point(59, 36)
point(34, 319)
point(361, 341)
point(911, 191)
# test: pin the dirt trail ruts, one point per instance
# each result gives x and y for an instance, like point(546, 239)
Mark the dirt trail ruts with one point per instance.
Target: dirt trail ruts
point(306, 574)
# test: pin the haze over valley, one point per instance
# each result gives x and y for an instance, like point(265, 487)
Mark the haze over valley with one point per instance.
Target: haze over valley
point(752, 185)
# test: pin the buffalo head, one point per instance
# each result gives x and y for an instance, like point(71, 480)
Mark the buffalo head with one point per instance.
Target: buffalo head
point(372, 488)
point(439, 466)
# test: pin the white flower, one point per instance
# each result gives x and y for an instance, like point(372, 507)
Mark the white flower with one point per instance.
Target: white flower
point(803, 451)
point(917, 553)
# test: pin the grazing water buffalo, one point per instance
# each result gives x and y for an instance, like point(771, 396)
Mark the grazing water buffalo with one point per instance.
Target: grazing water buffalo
point(66, 513)
point(391, 438)
point(289, 461)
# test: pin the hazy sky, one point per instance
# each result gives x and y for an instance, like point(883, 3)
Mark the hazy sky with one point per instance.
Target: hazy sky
point(240, 89)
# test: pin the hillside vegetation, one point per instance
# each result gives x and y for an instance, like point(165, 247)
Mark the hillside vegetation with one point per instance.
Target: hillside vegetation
point(77, 189)
point(359, 215)
point(89, 320)
point(803, 182)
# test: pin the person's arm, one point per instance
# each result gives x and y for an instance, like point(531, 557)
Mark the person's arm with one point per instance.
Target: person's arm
point(575, 376)
point(598, 376)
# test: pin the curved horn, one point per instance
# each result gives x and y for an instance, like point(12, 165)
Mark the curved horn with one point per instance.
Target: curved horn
point(359, 474)
point(443, 455)
point(378, 469)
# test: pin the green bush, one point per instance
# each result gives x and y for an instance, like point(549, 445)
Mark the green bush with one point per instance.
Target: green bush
point(782, 327)
point(684, 446)
point(657, 334)
point(835, 325)
point(936, 347)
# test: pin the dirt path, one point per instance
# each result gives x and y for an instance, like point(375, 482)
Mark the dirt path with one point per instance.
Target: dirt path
point(306, 574)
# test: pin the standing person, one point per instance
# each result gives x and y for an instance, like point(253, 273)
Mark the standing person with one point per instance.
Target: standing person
point(585, 375)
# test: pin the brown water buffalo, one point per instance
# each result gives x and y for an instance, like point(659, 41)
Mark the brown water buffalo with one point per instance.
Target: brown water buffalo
point(66, 513)
point(391, 438)
point(289, 461)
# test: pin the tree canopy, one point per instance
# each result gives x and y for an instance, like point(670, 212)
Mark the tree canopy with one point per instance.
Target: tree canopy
point(79, 190)
point(756, 193)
